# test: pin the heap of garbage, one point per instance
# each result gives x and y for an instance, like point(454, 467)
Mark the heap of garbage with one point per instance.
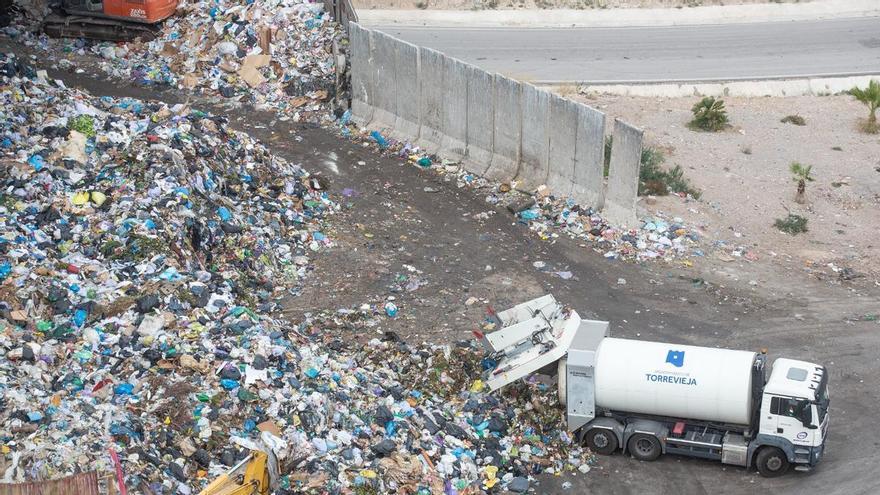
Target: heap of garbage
point(275, 54)
point(145, 252)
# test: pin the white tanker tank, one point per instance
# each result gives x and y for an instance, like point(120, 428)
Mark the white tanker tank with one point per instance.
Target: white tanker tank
point(674, 380)
point(653, 398)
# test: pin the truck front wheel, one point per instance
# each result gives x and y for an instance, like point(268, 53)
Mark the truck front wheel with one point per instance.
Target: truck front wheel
point(771, 462)
point(601, 441)
point(644, 447)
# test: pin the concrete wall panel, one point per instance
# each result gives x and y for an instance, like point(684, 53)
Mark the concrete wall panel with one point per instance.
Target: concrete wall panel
point(431, 99)
point(533, 167)
point(623, 176)
point(588, 184)
point(384, 76)
point(361, 75)
point(563, 139)
point(406, 63)
point(497, 126)
point(507, 136)
point(455, 108)
point(480, 120)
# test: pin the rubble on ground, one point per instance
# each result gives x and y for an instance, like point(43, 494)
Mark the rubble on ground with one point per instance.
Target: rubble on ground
point(657, 237)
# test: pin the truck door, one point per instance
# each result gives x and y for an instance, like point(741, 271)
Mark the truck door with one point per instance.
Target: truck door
point(769, 420)
point(788, 423)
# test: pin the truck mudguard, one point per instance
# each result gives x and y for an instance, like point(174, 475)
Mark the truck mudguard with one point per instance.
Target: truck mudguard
point(655, 428)
point(607, 423)
point(761, 440)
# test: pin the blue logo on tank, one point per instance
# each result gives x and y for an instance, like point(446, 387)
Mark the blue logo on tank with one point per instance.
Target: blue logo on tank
point(675, 358)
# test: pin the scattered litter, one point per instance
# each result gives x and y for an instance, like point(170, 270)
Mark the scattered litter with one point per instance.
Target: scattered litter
point(272, 53)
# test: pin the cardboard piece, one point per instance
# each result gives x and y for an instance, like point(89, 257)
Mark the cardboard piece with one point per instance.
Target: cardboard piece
point(251, 76)
point(75, 148)
point(265, 39)
point(257, 61)
point(190, 81)
point(248, 71)
point(271, 427)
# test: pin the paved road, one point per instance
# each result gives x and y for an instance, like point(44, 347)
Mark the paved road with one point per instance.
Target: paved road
point(683, 53)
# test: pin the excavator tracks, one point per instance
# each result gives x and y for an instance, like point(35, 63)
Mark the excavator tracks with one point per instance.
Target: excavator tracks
point(75, 26)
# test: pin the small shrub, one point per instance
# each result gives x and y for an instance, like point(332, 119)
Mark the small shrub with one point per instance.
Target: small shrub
point(651, 157)
point(422, 5)
point(837, 148)
point(794, 119)
point(609, 142)
point(746, 150)
point(870, 96)
point(801, 174)
point(792, 224)
point(709, 115)
point(653, 179)
point(567, 90)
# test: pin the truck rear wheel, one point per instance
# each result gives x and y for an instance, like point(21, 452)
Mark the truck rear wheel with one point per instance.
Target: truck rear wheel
point(771, 462)
point(644, 447)
point(601, 441)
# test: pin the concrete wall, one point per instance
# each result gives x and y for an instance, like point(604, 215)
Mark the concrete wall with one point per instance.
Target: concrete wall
point(406, 75)
point(497, 127)
point(563, 124)
point(534, 164)
point(455, 109)
point(431, 99)
point(589, 161)
point(361, 75)
point(480, 120)
point(383, 70)
point(623, 176)
point(507, 133)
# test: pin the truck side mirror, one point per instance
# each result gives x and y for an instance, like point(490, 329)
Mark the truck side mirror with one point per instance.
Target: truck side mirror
point(806, 416)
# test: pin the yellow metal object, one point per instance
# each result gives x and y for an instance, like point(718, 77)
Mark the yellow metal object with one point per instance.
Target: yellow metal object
point(248, 477)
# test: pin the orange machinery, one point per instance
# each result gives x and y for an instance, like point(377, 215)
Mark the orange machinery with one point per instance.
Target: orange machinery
point(111, 20)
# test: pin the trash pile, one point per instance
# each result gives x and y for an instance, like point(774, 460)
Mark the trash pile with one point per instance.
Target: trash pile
point(657, 238)
point(270, 53)
point(143, 253)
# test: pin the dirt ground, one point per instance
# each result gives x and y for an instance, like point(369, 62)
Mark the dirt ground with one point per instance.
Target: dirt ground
point(547, 4)
point(744, 176)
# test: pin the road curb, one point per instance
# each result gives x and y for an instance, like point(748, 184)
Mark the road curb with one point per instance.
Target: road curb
point(810, 86)
point(632, 17)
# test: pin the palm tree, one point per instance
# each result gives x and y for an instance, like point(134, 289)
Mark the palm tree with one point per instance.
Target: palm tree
point(870, 96)
point(801, 175)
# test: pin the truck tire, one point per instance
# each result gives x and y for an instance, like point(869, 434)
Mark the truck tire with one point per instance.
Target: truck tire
point(560, 380)
point(644, 447)
point(771, 462)
point(601, 441)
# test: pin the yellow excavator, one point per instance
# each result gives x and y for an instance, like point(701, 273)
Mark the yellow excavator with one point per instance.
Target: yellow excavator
point(248, 477)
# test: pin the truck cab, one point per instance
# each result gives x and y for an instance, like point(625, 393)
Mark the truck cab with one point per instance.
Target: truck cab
point(793, 416)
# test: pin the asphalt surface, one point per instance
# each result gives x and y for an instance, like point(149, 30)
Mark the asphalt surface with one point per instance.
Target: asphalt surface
point(439, 234)
point(651, 54)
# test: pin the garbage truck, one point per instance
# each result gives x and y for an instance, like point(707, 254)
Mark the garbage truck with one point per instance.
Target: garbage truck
point(647, 399)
